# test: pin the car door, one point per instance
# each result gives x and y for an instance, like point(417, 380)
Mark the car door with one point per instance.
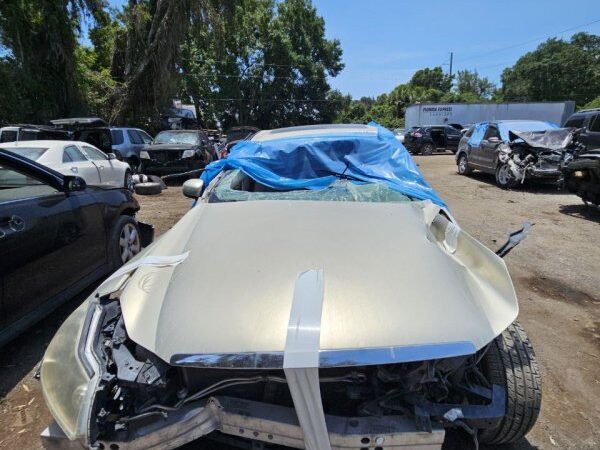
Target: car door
point(49, 241)
point(488, 147)
point(474, 152)
point(136, 140)
point(591, 136)
point(452, 138)
point(109, 174)
point(74, 162)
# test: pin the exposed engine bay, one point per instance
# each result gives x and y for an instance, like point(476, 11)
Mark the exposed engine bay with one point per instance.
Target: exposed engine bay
point(138, 392)
point(537, 154)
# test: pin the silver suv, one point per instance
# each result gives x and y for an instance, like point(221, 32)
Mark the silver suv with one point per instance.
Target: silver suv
point(127, 144)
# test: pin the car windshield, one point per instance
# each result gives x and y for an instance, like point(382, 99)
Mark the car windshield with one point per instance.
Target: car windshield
point(235, 186)
point(526, 125)
point(33, 153)
point(176, 137)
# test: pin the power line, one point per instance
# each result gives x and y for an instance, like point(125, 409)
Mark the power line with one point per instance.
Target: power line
point(530, 41)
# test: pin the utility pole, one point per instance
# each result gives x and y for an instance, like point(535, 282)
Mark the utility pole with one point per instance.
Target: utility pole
point(451, 57)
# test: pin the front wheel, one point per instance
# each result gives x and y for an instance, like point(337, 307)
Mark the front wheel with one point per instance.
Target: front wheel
point(510, 363)
point(462, 165)
point(128, 181)
point(125, 241)
point(504, 177)
point(428, 149)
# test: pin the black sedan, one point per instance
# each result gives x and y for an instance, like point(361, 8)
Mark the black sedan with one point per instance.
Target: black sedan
point(172, 152)
point(57, 236)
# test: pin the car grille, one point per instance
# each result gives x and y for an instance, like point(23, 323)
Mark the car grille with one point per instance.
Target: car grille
point(165, 156)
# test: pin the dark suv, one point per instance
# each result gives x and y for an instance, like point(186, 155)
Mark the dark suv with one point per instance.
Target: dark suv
point(428, 139)
point(589, 120)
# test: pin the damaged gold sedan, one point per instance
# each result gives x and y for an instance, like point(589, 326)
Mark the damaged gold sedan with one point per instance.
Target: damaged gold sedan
point(318, 295)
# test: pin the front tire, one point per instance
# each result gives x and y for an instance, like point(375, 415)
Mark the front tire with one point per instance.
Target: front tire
point(505, 179)
point(427, 149)
point(125, 241)
point(462, 165)
point(510, 362)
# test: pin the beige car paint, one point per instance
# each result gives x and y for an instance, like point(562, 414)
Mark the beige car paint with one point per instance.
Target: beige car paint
point(388, 279)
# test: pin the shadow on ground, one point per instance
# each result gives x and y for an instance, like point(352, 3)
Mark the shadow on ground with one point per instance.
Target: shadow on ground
point(581, 211)
point(532, 187)
point(23, 353)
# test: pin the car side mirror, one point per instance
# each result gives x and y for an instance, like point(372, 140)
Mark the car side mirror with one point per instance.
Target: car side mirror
point(193, 188)
point(111, 156)
point(74, 184)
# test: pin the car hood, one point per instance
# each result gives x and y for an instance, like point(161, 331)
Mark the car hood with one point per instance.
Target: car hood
point(556, 139)
point(388, 282)
point(170, 147)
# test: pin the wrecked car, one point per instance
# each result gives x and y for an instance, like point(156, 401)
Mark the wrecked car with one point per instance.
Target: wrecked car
point(176, 152)
point(307, 340)
point(515, 151)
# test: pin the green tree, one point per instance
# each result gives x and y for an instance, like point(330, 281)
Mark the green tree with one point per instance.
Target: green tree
point(470, 83)
point(556, 70)
point(432, 79)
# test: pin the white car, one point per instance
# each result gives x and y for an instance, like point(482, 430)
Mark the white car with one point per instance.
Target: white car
point(354, 313)
point(76, 158)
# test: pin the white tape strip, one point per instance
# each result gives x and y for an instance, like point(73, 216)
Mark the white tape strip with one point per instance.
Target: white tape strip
point(111, 284)
point(301, 358)
point(430, 210)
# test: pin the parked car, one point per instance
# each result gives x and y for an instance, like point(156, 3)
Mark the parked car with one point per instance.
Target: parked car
point(178, 119)
point(429, 139)
point(589, 121)
point(581, 174)
point(514, 150)
point(177, 152)
point(399, 133)
point(306, 340)
point(127, 144)
point(76, 158)
point(57, 236)
point(15, 133)
point(92, 130)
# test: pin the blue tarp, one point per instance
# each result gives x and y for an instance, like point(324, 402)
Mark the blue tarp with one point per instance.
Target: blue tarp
point(316, 161)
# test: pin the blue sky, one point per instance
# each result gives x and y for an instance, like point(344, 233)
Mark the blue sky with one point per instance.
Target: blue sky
point(386, 41)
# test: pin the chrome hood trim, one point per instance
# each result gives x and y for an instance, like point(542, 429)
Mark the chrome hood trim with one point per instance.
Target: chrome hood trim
point(396, 289)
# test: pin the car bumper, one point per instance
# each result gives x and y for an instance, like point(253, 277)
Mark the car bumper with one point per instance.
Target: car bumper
point(152, 167)
point(266, 423)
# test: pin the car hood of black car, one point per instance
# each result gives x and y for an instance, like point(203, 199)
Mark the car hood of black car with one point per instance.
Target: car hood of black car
point(171, 147)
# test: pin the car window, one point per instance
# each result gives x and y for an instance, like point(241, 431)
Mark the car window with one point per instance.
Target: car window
point(8, 136)
point(72, 154)
point(117, 136)
point(94, 154)
point(145, 137)
point(33, 153)
point(478, 133)
point(134, 137)
point(15, 185)
point(575, 122)
point(29, 135)
point(595, 123)
point(469, 132)
point(452, 131)
point(492, 132)
point(237, 186)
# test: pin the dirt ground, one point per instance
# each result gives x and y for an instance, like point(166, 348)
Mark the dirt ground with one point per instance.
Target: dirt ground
point(556, 273)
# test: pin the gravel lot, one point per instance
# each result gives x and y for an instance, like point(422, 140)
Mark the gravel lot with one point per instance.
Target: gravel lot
point(556, 273)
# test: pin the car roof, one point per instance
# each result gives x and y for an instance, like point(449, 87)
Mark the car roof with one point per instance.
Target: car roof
point(43, 143)
point(314, 130)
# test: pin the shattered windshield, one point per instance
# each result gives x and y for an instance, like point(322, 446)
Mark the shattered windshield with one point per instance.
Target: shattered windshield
point(176, 137)
point(235, 186)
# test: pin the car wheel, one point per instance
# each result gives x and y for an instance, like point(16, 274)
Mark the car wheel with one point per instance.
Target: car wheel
point(462, 166)
point(149, 188)
point(427, 149)
point(504, 177)
point(128, 181)
point(510, 362)
point(125, 241)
